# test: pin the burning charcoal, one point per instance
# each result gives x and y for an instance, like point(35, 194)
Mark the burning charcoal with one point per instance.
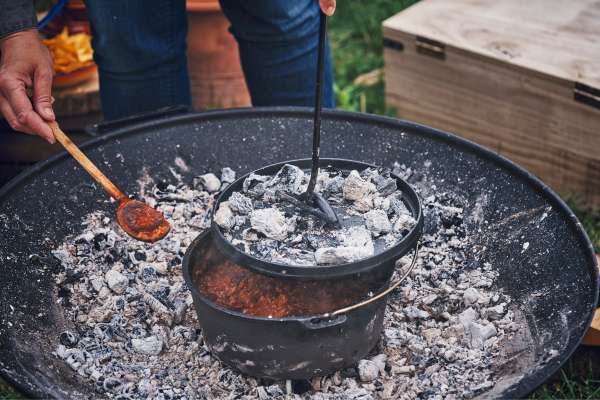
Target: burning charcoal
point(288, 179)
point(364, 204)
point(150, 345)
point(275, 391)
point(495, 312)
point(239, 220)
point(145, 387)
point(224, 216)
point(116, 281)
point(385, 186)
point(357, 236)
point(397, 204)
point(432, 334)
point(480, 333)
point(369, 174)
point(470, 296)
point(249, 235)
point(317, 241)
point(368, 371)
point(148, 274)
point(377, 222)
point(329, 184)
point(413, 312)
point(270, 222)
point(403, 223)
point(467, 317)
point(180, 308)
point(103, 331)
point(355, 187)
point(340, 255)
point(383, 203)
point(69, 339)
point(295, 257)
point(271, 195)
point(240, 203)
point(97, 283)
point(380, 361)
point(139, 255)
point(262, 393)
point(255, 184)
point(227, 175)
point(100, 241)
point(112, 385)
point(209, 182)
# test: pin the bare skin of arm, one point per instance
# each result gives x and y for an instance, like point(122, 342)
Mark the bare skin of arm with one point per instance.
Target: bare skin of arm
point(26, 66)
point(327, 6)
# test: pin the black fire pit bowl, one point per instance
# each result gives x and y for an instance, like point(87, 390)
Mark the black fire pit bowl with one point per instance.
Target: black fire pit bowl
point(554, 283)
point(281, 348)
point(383, 260)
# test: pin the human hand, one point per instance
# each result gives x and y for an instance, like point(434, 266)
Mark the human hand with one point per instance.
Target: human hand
point(327, 6)
point(26, 64)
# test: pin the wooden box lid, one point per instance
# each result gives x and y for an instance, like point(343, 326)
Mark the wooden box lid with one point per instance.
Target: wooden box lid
point(559, 38)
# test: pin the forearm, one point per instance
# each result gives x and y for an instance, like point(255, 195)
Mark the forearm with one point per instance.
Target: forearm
point(15, 16)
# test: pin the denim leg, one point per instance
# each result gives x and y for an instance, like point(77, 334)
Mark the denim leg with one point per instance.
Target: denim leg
point(139, 47)
point(278, 42)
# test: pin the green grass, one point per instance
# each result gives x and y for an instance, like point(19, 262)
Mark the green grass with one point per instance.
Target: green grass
point(357, 45)
point(7, 393)
point(578, 379)
point(590, 218)
point(569, 387)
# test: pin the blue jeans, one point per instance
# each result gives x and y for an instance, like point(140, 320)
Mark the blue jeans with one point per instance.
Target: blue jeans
point(140, 49)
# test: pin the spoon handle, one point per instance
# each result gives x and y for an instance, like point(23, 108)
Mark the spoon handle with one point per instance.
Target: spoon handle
point(86, 163)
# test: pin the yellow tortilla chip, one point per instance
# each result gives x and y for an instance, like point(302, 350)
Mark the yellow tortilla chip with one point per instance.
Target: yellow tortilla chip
point(70, 52)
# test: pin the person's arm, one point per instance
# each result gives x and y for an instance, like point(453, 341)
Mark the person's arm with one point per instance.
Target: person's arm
point(16, 16)
point(25, 63)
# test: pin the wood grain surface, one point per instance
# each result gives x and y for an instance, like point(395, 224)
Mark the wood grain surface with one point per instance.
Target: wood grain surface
point(513, 105)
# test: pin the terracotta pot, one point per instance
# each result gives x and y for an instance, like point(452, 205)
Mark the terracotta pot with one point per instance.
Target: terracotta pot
point(216, 76)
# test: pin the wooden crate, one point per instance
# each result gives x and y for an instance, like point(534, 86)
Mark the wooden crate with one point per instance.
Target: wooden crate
point(520, 77)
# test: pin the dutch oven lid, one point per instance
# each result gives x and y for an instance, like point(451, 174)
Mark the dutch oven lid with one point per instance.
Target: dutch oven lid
point(402, 247)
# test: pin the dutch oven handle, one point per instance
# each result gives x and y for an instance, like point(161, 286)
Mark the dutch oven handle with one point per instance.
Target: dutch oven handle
point(383, 293)
point(325, 321)
point(106, 126)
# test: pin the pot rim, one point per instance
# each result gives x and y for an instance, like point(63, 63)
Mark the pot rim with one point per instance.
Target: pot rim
point(397, 251)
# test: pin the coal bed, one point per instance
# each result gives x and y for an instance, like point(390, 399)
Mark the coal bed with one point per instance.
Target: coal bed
point(134, 332)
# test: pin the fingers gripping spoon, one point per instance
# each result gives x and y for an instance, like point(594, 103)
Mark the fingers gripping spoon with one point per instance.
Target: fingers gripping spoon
point(137, 219)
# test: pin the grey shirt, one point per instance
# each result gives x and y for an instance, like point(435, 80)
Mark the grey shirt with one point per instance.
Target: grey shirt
point(15, 16)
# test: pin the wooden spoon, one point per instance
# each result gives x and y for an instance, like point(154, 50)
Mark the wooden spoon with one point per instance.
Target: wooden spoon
point(137, 219)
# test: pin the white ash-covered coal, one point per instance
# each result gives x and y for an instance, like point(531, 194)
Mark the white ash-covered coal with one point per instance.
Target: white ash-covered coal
point(133, 332)
point(259, 221)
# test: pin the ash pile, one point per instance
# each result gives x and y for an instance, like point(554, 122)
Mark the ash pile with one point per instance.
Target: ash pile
point(133, 332)
point(259, 221)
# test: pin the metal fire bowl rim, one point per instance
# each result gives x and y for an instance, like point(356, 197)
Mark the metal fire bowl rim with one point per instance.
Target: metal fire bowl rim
point(348, 116)
point(316, 272)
